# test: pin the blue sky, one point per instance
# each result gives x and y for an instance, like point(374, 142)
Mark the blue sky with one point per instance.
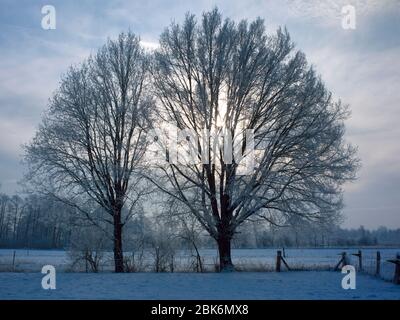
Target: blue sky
point(361, 66)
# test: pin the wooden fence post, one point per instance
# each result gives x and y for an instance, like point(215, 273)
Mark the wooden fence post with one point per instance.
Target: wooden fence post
point(397, 270)
point(378, 263)
point(171, 263)
point(342, 261)
point(13, 262)
point(359, 255)
point(396, 278)
point(278, 261)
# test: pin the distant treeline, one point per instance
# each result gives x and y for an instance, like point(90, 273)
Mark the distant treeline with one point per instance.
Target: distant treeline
point(306, 236)
point(44, 223)
point(33, 222)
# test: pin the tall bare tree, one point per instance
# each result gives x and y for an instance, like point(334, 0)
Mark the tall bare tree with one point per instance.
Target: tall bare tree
point(227, 78)
point(17, 206)
point(91, 140)
point(4, 204)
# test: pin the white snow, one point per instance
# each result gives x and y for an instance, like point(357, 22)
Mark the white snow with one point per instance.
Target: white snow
point(259, 259)
point(238, 286)
point(33, 260)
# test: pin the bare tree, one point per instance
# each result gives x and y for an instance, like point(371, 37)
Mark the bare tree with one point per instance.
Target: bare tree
point(227, 78)
point(190, 232)
point(87, 248)
point(91, 140)
point(162, 243)
point(4, 203)
point(17, 206)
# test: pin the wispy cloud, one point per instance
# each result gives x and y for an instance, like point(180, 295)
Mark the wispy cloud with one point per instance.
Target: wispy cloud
point(359, 66)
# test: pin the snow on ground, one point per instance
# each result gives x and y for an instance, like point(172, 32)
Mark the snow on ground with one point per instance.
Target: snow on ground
point(175, 286)
point(32, 260)
point(239, 285)
point(27, 258)
point(244, 259)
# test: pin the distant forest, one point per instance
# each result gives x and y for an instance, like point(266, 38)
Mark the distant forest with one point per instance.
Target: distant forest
point(40, 222)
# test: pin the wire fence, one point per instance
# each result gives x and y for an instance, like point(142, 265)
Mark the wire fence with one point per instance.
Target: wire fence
point(376, 262)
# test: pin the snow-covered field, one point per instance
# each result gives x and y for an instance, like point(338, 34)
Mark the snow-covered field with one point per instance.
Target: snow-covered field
point(25, 282)
point(245, 259)
point(238, 286)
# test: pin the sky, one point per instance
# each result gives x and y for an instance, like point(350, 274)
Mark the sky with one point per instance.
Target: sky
point(360, 66)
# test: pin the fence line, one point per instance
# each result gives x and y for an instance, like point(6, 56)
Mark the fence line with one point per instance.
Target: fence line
point(382, 264)
point(386, 269)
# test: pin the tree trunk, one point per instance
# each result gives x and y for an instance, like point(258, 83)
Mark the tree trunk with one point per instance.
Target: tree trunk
point(118, 253)
point(225, 236)
point(224, 249)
